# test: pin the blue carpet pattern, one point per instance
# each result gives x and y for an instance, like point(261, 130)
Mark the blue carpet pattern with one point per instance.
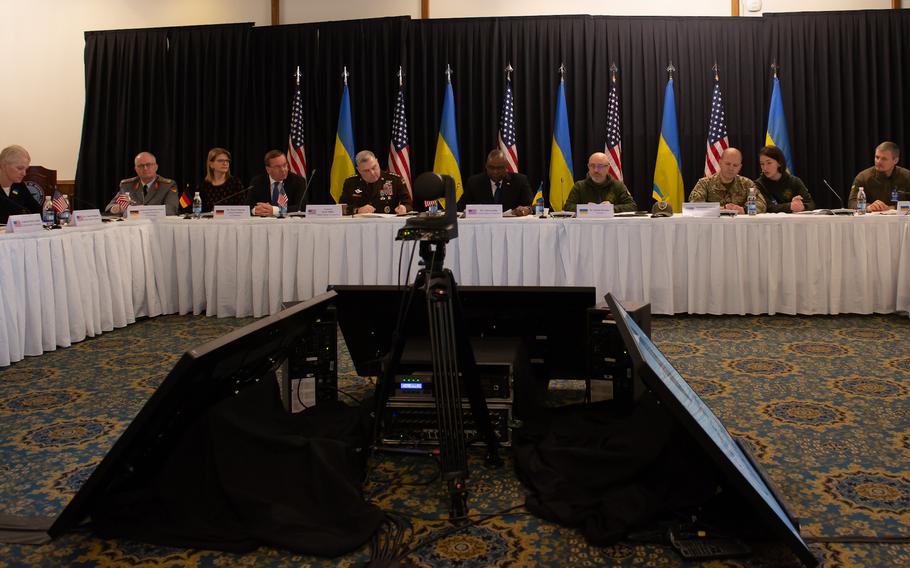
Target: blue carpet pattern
point(824, 403)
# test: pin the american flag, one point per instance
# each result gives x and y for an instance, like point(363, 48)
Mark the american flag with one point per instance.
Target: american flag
point(507, 138)
point(296, 153)
point(60, 203)
point(123, 200)
point(613, 145)
point(282, 198)
point(399, 150)
point(717, 132)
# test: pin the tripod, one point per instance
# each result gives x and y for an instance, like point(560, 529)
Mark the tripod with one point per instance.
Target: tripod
point(452, 358)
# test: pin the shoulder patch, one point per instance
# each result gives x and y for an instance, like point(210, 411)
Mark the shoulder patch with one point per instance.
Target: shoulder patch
point(165, 180)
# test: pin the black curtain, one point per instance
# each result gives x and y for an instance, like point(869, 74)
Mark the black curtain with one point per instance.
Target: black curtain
point(372, 51)
point(274, 55)
point(842, 75)
point(208, 73)
point(127, 108)
point(844, 79)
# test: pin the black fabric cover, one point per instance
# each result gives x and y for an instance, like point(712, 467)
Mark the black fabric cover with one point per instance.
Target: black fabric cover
point(608, 472)
point(248, 474)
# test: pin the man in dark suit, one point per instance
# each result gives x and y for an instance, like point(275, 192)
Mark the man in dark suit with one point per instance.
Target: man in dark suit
point(15, 199)
point(263, 197)
point(498, 185)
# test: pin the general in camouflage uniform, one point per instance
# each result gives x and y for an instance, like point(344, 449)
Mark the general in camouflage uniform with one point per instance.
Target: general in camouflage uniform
point(714, 190)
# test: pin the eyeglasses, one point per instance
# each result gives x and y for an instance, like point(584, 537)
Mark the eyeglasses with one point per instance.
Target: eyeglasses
point(597, 167)
point(149, 165)
point(222, 161)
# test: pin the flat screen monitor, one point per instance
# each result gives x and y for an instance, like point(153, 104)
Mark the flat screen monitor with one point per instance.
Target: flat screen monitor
point(202, 376)
point(688, 409)
point(553, 319)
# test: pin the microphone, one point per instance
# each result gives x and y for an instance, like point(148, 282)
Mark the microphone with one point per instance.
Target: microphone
point(306, 189)
point(233, 195)
point(831, 189)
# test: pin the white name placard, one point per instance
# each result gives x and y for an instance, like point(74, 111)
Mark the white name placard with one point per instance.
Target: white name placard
point(28, 223)
point(222, 212)
point(701, 209)
point(903, 207)
point(483, 211)
point(145, 212)
point(323, 211)
point(594, 211)
point(86, 217)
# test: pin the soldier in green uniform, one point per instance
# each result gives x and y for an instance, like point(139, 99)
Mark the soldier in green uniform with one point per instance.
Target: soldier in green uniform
point(784, 193)
point(727, 187)
point(147, 188)
point(885, 183)
point(373, 190)
point(600, 187)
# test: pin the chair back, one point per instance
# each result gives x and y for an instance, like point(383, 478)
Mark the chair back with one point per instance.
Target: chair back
point(40, 181)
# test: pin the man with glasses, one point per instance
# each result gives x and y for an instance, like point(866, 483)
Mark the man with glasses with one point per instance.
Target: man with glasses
point(267, 187)
point(600, 187)
point(497, 185)
point(147, 188)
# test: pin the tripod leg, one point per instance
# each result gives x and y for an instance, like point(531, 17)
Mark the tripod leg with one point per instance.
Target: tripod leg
point(392, 359)
point(447, 393)
point(472, 386)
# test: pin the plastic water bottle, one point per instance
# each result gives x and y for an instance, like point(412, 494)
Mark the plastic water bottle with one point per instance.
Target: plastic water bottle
point(538, 207)
point(63, 217)
point(751, 207)
point(47, 212)
point(860, 201)
point(197, 206)
point(282, 209)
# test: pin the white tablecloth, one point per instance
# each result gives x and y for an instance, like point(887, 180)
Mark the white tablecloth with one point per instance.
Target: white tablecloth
point(59, 287)
point(63, 286)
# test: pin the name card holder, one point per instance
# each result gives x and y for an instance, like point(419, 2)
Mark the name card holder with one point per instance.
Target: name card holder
point(701, 209)
point(222, 212)
point(27, 223)
point(145, 212)
point(483, 211)
point(903, 207)
point(594, 211)
point(86, 217)
point(323, 211)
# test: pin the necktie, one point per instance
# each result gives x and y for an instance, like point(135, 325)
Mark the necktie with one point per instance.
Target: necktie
point(497, 195)
point(145, 193)
point(275, 192)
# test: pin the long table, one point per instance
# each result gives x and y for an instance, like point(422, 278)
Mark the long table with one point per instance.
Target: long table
point(62, 286)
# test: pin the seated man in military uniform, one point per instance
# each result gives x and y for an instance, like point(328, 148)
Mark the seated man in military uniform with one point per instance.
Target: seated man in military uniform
point(600, 187)
point(373, 190)
point(885, 183)
point(727, 187)
point(147, 188)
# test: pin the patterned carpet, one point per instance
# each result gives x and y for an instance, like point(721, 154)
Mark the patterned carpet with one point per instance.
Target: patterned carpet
point(824, 403)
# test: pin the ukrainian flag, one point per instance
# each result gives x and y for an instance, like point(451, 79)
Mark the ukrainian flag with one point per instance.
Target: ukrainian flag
point(538, 195)
point(343, 158)
point(446, 160)
point(561, 177)
point(777, 125)
point(668, 181)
